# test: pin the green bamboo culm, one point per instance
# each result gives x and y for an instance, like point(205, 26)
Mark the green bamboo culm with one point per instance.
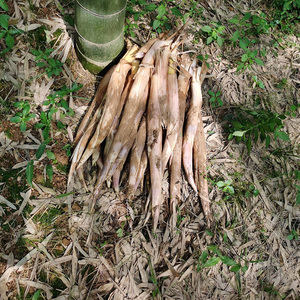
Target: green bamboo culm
point(100, 32)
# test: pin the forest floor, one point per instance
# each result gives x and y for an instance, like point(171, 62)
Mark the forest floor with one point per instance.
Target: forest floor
point(51, 247)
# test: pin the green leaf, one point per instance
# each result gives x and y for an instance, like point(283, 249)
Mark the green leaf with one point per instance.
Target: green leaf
point(230, 189)
point(49, 172)
point(239, 133)
point(23, 126)
point(235, 268)
point(156, 24)
point(259, 61)
point(18, 104)
point(290, 237)
point(297, 187)
point(234, 20)
point(268, 140)
point(203, 256)
point(60, 125)
point(29, 172)
point(4, 21)
point(260, 84)
point(247, 16)
point(209, 233)
point(36, 295)
point(209, 40)
point(40, 151)
point(26, 110)
point(176, 12)
point(282, 135)
point(211, 262)
point(10, 41)
point(235, 36)
point(120, 232)
point(244, 57)
point(31, 116)
point(16, 119)
point(220, 184)
point(3, 5)
point(142, 2)
point(150, 7)
point(161, 10)
point(255, 193)
point(64, 104)
point(228, 261)
point(39, 126)
point(43, 117)
point(46, 133)
point(50, 155)
point(41, 64)
point(293, 107)
point(243, 45)
point(219, 41)
point(206, 28)
point(298, 199)
point(244, 269)
point(214, 249)
point(47, 102)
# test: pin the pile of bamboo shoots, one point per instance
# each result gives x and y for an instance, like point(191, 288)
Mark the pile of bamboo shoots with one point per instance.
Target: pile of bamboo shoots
point(147, 114)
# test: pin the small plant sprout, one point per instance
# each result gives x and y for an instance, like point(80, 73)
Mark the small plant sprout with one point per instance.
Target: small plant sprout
point(214, 33)
point(250, 56)
point(252, 191)
point(213, 256)
point(23, 116)
point(44, 60)
point(8, 31)
point(215, 99)
point(293, 235)
point(258, 82)
point(226, 186)
point(247, 124)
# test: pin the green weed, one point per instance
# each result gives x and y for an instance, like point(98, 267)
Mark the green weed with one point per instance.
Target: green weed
point(214, 33)
point(251, 125)
point(293, 235)
point(44, 60)
point(213, 256)
point(226, 186)
point(161, 14)
point(215, 99)
point(56, 103)
point(24, 116)
point(8, 31)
